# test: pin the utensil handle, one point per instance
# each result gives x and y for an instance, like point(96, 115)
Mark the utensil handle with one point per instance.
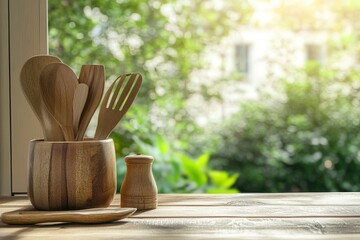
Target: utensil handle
point(68, 133)
point(96, 215)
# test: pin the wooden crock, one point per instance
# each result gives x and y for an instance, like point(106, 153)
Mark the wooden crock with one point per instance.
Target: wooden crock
point(71, 175)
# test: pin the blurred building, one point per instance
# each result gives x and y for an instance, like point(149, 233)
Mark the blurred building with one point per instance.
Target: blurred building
point(251, 58)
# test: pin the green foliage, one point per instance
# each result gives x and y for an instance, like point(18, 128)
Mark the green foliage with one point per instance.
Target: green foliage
point(194, 169)
point(306, 139)
point(174, 171)
point(222, 182)
point(163, 40)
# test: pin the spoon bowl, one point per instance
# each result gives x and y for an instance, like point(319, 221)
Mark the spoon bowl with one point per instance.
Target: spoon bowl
point(58, 84)
point(30, 83)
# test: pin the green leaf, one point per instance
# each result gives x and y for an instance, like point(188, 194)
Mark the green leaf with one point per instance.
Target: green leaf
point(193, 171)
point(203, 160)
point(162, 145)
point(222, 178)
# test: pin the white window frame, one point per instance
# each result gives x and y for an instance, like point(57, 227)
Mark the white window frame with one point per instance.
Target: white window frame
point(23, 33)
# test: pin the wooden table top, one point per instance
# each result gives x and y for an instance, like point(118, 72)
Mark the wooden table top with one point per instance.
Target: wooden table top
point(207, 216)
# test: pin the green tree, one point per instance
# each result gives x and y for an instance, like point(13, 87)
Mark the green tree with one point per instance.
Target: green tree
point(163, 40)
point(306, 139)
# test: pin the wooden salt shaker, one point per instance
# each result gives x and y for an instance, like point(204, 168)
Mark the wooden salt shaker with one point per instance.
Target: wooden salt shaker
point(139, 189)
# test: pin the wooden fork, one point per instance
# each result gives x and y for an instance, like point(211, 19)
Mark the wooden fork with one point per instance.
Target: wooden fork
point(114, 108)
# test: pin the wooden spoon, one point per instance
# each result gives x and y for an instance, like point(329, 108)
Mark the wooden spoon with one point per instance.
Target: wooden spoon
point(94, 215)
point(29, 79)
point(114, 108)
point(94, 77)
point(57, 84)
point(80, 96)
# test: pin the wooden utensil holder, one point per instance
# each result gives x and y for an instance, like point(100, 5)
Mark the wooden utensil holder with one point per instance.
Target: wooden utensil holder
point(71, 175)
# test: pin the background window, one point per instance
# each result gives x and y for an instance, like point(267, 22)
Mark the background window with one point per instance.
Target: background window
point(242, 58)
point(314, 52)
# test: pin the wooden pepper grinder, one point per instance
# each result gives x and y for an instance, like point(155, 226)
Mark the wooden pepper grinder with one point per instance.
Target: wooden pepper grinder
point(139, 189)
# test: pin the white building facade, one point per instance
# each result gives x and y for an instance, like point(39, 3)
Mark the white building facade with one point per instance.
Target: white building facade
point(248, 59)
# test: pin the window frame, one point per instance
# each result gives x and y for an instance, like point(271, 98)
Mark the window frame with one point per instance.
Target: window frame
point(23, 33)
point(314, 52)
point(242, 58)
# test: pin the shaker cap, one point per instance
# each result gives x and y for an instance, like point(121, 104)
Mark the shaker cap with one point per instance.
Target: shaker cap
point(139, 158)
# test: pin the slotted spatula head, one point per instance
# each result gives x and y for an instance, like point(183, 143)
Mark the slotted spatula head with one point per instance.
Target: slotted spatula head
point(116, 103)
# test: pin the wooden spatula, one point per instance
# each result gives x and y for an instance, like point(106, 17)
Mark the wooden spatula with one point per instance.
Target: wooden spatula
point(94, 77)
point(29, 79)
point(57, 86)
point(94, 215)
point(114, 108)
point(80, 96)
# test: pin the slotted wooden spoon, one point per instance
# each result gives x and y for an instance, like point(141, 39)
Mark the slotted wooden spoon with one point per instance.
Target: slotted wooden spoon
point(57, 86)
point(114, 108)
point(94, 77)
point(93, 215)
point(29, 79)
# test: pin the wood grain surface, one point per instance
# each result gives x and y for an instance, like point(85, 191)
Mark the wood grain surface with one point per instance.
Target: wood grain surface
point(30, 83)
point(116, 102)
point(92, 215)
point(58, 83)
point(71, 175)
point(80, 97)
point(94, 77)
point(139, 189)
point(197, 216)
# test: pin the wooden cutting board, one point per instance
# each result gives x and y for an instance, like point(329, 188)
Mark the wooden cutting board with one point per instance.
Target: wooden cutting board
point(93, 215)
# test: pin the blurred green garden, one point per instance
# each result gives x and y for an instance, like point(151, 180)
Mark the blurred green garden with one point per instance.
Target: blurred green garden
point(300, 132)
